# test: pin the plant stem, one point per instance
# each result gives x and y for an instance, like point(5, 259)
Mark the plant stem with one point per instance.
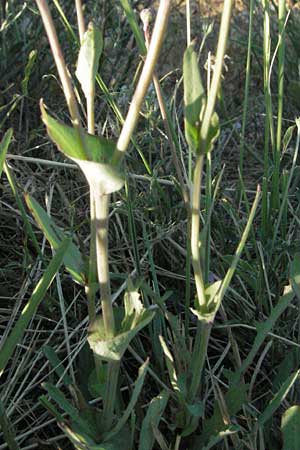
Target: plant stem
point(247, 84)
point(62, 70)
point(102, 208)
point(195, 228)
point(80, 19)
point(212, 94)
point(199, 353)
point(145, 79)
point(163, 111)
point(102, 204)
point(281, 51)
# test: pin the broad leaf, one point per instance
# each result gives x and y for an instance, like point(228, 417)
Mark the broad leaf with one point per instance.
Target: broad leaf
point(194, 98)
point(133, 318)
point(73, 259)
point(88, 59)
point(290, 426)
point(68, 142)
point(102, 176)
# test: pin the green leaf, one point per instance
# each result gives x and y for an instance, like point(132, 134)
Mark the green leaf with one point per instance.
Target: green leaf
point(57, 365)
point(154, 412)
point(28, 70)
point(134, 26)
point(4, 144)
point(194, 98)
point(68, 408)
point(29, 310)
point(134, 319)
point(277, 400)
point(102, 176)
point(213, 132)
point(134, 398)
point(295, 274)
point(287, 137)
point(264, 328)
point(67, 141)
point(88, 58)
point(73, 259)
point(234, 400)
point(290, 426)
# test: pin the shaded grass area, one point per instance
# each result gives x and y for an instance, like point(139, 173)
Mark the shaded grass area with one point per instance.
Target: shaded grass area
point(148, 223)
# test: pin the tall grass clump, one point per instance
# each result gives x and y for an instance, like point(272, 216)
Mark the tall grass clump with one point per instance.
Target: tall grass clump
point(202, 351)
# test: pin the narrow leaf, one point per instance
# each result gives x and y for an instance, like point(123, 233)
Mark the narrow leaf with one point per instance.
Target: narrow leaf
point(29, 310)
point(57, 365)
point(4, 144)
point(73, 259)
point(134, 398)
point(28, 70)
point(277, 400)
point(154, 412)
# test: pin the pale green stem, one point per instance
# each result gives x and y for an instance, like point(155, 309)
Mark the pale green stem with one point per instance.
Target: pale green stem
point(62, 70)
point(80, 19)
point(195, 229)
point(212, 95)
point(247, 85)
point(102, 204)
point(102, 208)
point(281, 51)
point(91, 112)
point(145, 79)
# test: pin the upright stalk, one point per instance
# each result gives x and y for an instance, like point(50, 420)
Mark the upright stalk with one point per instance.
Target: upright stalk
point(281, 51)
point(247, 85)
point(62, 71)
point(203, 330)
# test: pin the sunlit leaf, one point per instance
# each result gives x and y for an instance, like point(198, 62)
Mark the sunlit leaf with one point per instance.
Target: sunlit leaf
point(132, 320)
point(67, 141)
point(290, 426)
point(88, 59)
point(4, 144)
point(194, 98)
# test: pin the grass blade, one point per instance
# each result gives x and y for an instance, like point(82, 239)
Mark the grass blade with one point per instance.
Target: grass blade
point(29, 310)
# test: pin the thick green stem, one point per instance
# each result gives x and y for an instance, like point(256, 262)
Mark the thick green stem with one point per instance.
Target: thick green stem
point(92, 279)
point(102, 209)
point(102, 205)
point(199, 356)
